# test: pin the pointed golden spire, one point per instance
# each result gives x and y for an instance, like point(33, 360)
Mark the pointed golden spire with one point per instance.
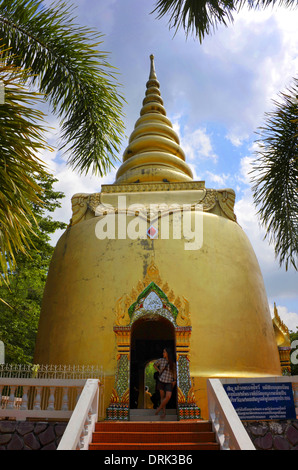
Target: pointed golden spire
point(152, 69)
point(153, 152)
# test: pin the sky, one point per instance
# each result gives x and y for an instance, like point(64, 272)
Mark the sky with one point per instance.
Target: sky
point(216, 94)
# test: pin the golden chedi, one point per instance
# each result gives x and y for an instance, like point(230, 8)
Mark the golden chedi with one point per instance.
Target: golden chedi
point(153, 260)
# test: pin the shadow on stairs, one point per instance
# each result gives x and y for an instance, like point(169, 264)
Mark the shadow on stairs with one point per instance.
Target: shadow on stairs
point(149, 415)
point(154, 435)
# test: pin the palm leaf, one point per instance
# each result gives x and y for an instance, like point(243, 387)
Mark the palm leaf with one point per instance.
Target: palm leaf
point(74, 76)
point(21, 139)
point(275, 177)
point(201, 17)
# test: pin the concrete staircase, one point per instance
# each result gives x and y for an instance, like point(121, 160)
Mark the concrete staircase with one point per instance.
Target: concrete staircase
point(153, 435)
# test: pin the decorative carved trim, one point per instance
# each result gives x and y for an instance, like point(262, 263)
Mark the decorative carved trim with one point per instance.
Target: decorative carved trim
point(181, 396)
point(128, 309)
point(226, 199)
point(148, 187)
point(183, 318)
point(81, 202)
point(280, 325)
point(168, 309)
point(122, 317)
point(283, 341)
point(152, 274)
point(114, 397)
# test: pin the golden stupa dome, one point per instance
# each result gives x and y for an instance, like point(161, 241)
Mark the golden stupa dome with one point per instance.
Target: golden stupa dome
point(98, 285)
point(153, 152)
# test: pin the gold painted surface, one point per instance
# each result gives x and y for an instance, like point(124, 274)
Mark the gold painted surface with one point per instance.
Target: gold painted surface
point(232, 332)
point(282, 334)
point(218, 288)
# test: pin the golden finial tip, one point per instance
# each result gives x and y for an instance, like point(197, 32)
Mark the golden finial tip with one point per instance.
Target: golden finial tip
point(152, 68)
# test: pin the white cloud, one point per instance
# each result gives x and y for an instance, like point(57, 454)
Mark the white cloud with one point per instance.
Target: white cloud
point(237, 137)
point(218, 179)
point(245, 169)
point(197, 145)
point(196, 175)
point(70, 182)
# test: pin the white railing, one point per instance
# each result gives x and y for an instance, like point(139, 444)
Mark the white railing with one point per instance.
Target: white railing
point(51, 371)
point(71, 393)
point(230, 432)
point(78, 433)
point(43, 391)
point(39, 398)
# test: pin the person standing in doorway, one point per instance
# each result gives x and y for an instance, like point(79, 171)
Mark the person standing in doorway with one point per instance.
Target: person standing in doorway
point(167, 379)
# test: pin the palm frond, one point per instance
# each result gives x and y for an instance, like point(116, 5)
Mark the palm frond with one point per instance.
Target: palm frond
point(275, 177)
point(197, 17)
point(74, 76)
point(21, 138)
point(202, 17)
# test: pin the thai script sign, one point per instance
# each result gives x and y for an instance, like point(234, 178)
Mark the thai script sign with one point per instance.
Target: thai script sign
point(255, 401)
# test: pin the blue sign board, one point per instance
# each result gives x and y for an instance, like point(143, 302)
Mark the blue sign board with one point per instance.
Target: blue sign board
point(255, 401)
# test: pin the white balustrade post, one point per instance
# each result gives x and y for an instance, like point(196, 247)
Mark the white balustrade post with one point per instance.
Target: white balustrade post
point(10, 404)
point(24, 405)
point(221, 428)
point(230, 432)
point(51, 402)
point(216, 417)
point(37, 401)
point(226, 443)
point(65, 399)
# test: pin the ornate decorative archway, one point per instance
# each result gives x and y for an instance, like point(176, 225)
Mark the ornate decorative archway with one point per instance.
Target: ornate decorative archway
point(152, 298)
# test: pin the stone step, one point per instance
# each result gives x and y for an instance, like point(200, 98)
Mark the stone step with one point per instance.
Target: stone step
point(157, 426)
point(156, 446)
point(160, 436)
point(149, 415)
point(152, 437)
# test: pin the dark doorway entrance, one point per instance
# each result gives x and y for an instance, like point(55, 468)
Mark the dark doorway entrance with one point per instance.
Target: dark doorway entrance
point(149, 336)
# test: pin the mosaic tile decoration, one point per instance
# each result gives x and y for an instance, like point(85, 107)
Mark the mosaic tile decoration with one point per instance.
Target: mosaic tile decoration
point(139, 304)
point(152, 303)
point(122, 375)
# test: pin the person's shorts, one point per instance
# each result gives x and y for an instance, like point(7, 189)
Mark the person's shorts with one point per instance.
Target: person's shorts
point(166, 387)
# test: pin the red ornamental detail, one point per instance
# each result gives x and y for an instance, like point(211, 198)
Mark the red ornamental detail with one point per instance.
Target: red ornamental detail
point(152, 232)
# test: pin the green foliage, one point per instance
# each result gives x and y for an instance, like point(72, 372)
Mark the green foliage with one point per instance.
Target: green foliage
point(275, 177)
point(149, 377)
point(198, 17)
point(20, 139)
point(74, 76)
point(43, 48)
point(20, 315)
point(201, 17)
